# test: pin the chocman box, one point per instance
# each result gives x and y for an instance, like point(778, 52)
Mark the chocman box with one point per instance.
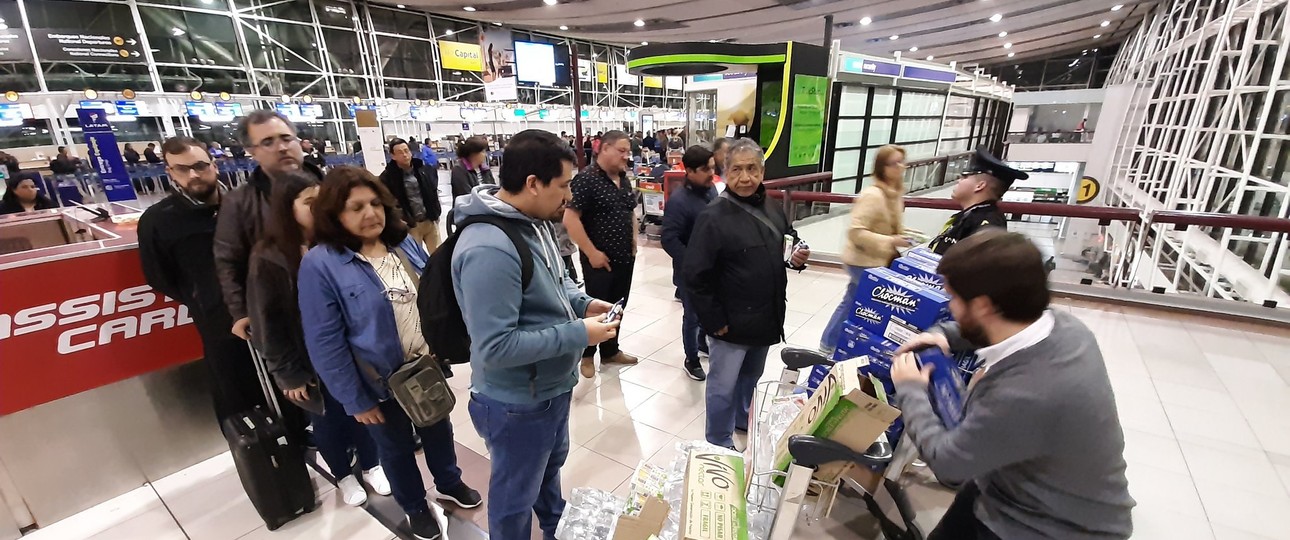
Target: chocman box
point(920, 270)
point(895, 308)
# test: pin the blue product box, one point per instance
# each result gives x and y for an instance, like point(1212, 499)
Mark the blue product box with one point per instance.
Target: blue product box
point(923, 253)
point(946, 389)
point(855, 342)
point(920, 270)
point(895, 308)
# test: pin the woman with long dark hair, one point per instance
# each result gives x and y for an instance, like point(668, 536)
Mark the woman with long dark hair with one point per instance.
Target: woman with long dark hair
point(471, 168)
point(22, 195)
point(358, 297)
point(280, 338)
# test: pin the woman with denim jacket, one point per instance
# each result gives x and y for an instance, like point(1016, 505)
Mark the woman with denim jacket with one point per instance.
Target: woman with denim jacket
point(275, 315)
point(358, 290)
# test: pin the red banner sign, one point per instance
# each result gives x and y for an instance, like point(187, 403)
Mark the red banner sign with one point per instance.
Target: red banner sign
point(71, 325)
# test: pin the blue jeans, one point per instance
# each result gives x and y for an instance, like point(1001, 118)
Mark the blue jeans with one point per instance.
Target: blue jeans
point(336, 432)
point(527, 445)
point(398, 456)
point(733, 371)
point(692, 337)
point(833, 332)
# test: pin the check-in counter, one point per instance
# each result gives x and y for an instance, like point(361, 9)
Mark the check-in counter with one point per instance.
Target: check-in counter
point(99, 391)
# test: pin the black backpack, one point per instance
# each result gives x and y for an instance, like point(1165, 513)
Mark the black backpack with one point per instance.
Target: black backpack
point(441, 320)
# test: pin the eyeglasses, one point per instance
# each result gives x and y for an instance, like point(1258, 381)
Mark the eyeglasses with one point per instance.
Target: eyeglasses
point(199, 167)
point(274, 142)
point(400, 295)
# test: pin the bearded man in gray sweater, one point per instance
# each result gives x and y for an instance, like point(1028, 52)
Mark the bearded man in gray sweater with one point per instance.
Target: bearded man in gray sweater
point(1039, 449)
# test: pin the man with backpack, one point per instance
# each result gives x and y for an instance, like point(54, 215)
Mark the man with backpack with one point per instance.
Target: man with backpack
point(502, 280)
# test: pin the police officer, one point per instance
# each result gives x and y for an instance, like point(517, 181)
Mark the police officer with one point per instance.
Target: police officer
point(978, 191)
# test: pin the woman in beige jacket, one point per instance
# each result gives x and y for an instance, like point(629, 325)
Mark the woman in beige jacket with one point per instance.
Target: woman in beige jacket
point(874, 233)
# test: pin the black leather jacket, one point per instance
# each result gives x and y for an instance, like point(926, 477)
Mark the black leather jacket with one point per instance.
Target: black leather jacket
point(275, 318)
point(240, 226)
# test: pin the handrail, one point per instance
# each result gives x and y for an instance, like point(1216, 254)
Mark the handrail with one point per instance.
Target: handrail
point(1102, 213)
point(1229, 221)
point(801, 179)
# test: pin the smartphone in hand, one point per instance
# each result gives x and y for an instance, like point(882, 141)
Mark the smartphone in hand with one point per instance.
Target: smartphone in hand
point(615, 311)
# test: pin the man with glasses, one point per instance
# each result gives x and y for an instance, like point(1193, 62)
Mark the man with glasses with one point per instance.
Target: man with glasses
point(736, 279)
point(601, 220)
point(176, 236)
point(272, 140)
point(978, 191)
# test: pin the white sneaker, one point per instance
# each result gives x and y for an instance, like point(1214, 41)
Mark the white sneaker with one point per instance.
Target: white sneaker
point(352, 491)
point(375, 477)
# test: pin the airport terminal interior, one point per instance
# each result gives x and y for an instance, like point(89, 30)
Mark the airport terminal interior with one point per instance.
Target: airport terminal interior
point(158, 155)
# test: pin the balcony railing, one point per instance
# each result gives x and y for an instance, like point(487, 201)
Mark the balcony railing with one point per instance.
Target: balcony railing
point(1095, 247)
point(1048, 137)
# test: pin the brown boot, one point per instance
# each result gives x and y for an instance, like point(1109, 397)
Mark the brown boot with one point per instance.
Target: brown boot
point(621, 358)
point(588, 367)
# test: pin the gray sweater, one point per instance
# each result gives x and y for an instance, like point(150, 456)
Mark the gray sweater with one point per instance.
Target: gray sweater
point(1040, 436)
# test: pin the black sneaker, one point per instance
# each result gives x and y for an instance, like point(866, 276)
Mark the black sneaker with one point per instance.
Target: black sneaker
point(462, 496)
point(695, 370)
point(423, 525)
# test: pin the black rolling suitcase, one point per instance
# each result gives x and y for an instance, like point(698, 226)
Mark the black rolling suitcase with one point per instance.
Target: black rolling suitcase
point(271, 467)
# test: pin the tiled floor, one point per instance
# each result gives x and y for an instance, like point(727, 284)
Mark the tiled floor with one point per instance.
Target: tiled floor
point(1203, 404)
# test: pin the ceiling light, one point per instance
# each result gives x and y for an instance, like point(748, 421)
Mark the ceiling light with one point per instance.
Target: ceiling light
point(1003, 34)
point(1012, 54)
point(449, 32)
point(894, 38)
point(864, 21)
point(469, 8)
point(996, 17)
point(913, 49)
point(550, 2)
point(930, 57)
point(1117, 7)
point(639, 23)
point(563, 27)
point(1105, 24)
point(497, 24)
point(644, 43)
point(1097, 36)
point(176, 31)
point(401, 6)
point(712, 41)
point(1007, 45)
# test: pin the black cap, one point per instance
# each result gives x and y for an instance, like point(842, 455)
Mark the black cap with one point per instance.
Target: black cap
point(985, 162)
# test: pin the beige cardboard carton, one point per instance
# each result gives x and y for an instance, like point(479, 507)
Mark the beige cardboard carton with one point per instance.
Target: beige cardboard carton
point(842, 409)
point(645, 526)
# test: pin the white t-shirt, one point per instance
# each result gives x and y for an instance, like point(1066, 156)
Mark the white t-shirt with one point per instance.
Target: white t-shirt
point(401, 292)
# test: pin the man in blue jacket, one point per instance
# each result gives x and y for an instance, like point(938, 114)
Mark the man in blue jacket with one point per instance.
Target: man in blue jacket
point(526, 340)
point(682, 209)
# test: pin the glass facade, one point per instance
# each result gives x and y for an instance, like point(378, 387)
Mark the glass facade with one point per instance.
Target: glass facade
point(330, 50)
point(926, 123)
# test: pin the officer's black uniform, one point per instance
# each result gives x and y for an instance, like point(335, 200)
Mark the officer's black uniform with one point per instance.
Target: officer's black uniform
point(980, 215)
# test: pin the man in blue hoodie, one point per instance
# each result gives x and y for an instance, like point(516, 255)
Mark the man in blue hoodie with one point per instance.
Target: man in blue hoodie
point(526, 341)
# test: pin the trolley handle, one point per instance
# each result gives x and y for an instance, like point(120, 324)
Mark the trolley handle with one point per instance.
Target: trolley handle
point(797, 359)
point(811, 451)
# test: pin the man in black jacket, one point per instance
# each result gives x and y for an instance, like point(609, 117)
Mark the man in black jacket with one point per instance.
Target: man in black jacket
point(736, 280)
point(682, 209)
point(271, 137)
point(978, 191)
point(313, 155)
point(175, 245)
point(416, 188)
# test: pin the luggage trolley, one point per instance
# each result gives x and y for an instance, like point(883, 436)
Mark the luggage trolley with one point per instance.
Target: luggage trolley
point(808, 452)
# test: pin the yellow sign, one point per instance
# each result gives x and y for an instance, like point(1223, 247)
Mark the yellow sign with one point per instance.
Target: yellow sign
point(1089, 187)
point(465, 56)
point(653, 82)
point(602, 73)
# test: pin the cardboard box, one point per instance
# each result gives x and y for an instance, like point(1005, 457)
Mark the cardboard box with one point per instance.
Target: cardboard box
point(645, 526)
point(920, 270)
point(946, 389)
point(840, 410)
point(923, 253)
point(714, 507)
point(895, 308)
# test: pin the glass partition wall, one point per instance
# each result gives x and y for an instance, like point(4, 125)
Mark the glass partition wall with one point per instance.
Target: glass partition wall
point(333, 51)
point(927, 123)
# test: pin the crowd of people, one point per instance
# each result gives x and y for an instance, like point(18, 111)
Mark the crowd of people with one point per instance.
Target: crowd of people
point(322, 273)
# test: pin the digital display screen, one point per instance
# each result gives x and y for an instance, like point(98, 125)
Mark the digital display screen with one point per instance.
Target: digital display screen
point(535, 63)
point(542, 64)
